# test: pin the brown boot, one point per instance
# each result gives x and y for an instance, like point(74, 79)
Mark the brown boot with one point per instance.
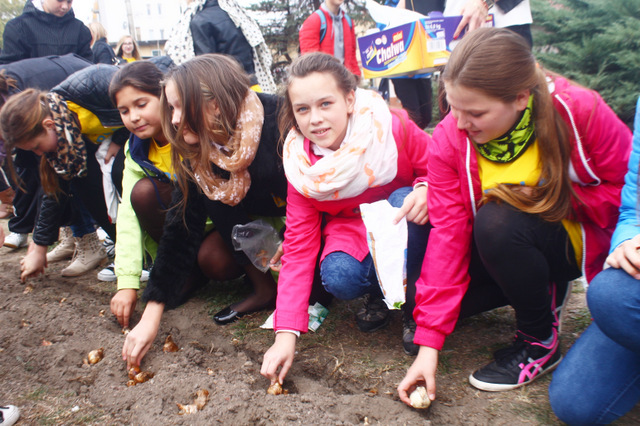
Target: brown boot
point(66, 247)
point(89, 254)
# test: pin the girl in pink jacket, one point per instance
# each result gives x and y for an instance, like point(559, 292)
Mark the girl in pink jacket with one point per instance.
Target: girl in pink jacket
point(525, 175)
point(344, 148)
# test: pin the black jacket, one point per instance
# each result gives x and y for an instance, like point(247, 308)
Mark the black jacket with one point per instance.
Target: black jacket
point(39, 73)
point(89, 88)
point(103, 53)
point(179, 245)
point(36, 33)
point(214, 32)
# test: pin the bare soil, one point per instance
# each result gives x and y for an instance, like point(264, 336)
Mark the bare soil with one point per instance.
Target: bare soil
point(340, 377)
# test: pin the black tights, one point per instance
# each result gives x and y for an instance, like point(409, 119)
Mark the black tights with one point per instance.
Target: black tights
point(150, 199)
point(515, 257)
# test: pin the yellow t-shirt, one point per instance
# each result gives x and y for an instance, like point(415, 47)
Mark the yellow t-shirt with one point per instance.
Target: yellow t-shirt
point(90, 124)
point(129, 60)
point(160, 156)
point(524, 170)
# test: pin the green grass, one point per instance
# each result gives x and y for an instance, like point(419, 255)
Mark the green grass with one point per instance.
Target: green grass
point(37, 394)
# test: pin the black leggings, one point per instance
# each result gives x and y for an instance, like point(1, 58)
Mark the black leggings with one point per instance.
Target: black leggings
point(26, 203)
point(515, 257)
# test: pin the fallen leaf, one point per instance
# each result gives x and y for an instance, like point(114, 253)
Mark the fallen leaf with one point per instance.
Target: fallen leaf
point(101, 313)
point(28, 289)
point(46, 343)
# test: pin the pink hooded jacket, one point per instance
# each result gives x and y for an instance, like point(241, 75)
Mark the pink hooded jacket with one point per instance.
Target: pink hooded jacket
point(338, 224)
point(600, 151)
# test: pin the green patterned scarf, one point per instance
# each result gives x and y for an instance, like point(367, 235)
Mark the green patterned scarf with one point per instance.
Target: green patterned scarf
point(515, 142)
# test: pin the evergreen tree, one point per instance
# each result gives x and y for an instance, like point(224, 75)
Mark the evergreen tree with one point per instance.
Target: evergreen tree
point(9, 9)
point(595, 43)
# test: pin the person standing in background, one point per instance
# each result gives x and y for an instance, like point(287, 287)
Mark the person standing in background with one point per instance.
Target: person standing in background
point(127, 50)
point(102, 52)
point(415, 92)
point(46, 27)
point(514, 15)
point(330, 30)
point(223, 26)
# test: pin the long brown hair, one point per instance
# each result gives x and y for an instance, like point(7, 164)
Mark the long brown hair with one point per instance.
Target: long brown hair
point(302, 67)
point(202, 83)
point(499, 63)
point(21, 120)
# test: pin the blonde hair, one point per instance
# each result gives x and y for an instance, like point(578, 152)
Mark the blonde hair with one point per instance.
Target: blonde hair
point(134, 54)
point(499, 63)
point(203, 82)
point(97, 32)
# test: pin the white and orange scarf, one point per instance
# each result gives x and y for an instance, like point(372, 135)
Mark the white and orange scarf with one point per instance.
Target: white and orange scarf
point(367, 158)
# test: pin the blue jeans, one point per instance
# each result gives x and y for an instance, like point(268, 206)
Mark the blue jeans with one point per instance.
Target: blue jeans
point(82, 221)
point(347, 278)
point(599, 379)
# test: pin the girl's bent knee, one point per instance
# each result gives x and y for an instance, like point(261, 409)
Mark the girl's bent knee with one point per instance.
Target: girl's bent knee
point(397, 197)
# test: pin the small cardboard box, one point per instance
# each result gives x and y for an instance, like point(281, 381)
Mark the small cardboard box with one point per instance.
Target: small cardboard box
point(413, 48)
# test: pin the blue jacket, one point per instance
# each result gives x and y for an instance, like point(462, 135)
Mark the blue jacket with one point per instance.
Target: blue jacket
point(628, 222)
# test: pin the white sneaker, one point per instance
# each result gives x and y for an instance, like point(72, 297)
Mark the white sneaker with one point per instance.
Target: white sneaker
point(108, 274)
point(102, 235)
point(15, 240)
point(9, 414)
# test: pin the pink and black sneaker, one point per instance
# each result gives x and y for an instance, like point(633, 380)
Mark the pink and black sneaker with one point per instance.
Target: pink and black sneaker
point(524, 361)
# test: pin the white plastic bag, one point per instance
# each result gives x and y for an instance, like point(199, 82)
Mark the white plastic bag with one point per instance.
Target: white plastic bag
point(258, 240)
point(111, 197)
point(388, 248)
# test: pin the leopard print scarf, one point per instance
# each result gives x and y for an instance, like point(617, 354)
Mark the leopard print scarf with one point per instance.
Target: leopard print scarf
point(70, 158)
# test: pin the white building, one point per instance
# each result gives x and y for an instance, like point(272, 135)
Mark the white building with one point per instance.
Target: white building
point(150, 21)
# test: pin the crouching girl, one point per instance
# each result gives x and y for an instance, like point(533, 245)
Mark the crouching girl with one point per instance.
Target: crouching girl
point(343, 148)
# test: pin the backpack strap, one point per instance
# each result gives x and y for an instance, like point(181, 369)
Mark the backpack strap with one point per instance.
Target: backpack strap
point(323, 24)
point(348, 18)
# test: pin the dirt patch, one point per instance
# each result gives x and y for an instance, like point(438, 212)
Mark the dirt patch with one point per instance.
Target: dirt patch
point(340, 376)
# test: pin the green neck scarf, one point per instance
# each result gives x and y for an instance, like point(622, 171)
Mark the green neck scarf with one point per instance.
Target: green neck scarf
point(513, 143)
